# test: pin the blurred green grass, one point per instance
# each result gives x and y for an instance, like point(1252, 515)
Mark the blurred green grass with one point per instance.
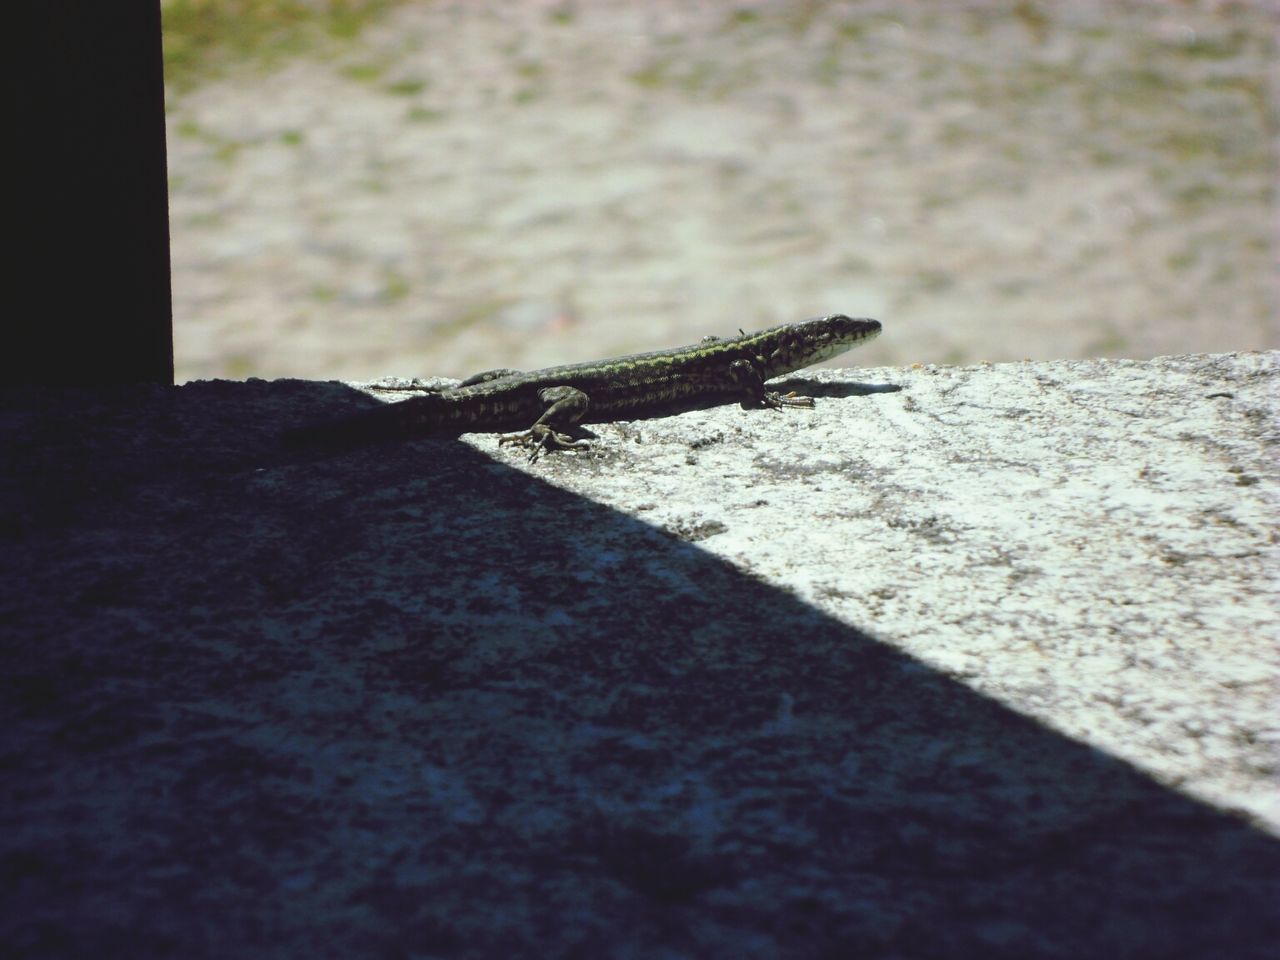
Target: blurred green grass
point(202, 37)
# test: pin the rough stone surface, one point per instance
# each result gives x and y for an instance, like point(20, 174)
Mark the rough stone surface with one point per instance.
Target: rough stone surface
point(963, 662)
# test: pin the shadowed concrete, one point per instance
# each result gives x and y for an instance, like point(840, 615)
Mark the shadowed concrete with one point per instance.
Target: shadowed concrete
point(974, 667)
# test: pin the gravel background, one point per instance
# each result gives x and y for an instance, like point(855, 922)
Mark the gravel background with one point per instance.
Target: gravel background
point(473, 185)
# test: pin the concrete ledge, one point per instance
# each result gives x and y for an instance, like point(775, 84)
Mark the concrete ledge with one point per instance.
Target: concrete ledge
point(977, 666)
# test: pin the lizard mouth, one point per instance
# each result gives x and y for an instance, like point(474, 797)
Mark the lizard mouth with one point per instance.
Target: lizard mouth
point(853, 330)
point(837, 333)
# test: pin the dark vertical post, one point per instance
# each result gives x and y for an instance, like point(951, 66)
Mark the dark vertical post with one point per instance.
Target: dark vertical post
point(89, 296)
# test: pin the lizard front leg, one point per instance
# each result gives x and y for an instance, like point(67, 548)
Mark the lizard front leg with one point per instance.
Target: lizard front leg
point(754, 395)
point(565, 407)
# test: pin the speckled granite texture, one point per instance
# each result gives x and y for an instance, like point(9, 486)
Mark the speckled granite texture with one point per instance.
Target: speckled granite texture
point(913, 674)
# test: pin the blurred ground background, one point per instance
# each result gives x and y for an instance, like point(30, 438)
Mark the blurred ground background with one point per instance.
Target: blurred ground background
point(372, 187)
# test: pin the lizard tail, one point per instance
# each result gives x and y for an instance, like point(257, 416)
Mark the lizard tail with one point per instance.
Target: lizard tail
point(393, 421)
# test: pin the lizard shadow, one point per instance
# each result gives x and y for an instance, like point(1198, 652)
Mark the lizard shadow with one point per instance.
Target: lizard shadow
point(413, 698)
point(337, 399)
point(807, 387)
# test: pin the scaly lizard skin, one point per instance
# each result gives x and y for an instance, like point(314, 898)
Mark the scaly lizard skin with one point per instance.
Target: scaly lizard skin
point(717, 370)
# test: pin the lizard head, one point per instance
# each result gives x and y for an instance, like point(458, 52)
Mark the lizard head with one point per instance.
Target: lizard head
point(802, 344)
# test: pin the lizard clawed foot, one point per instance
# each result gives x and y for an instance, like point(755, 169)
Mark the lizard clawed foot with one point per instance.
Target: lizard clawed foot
point(777, 400)
point(542, 437)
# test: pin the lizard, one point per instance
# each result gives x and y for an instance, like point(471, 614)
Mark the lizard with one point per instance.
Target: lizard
point(556, 399)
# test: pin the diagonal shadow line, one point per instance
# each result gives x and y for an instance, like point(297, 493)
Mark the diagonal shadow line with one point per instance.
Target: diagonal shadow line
point(410, 699)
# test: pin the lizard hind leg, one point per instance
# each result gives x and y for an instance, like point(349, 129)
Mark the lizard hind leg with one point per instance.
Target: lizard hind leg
point(565, 407)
